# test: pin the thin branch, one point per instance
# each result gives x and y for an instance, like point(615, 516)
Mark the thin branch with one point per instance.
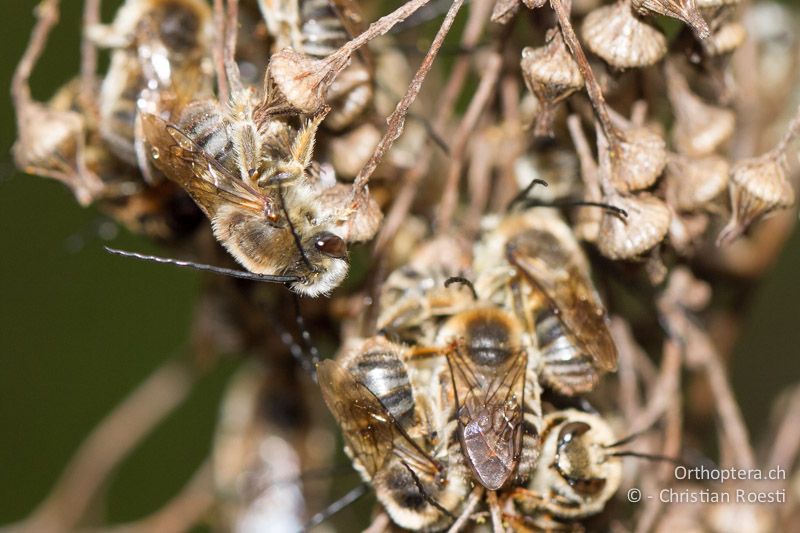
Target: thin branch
point(183, 511)
point(223, 91)
point(480, 100)
point(91, 18)
point(396, 120)
point(47, 14)
point(110, 443)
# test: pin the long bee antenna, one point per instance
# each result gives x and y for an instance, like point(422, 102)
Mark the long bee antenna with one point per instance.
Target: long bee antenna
point(522, 195)
point(241, 274)
point(336, 506)
point(576, 203)
point(629, 438)
point(462, 281)
point(646, 456)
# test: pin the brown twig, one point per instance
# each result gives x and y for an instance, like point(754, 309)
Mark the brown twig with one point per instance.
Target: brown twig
point(223, 92)
point(183, 511)
point(469, 507)
point(47, 14)
point(108, 444)
point(593, 89)
point(91, 18)
point(477, 105)
point(396, 120)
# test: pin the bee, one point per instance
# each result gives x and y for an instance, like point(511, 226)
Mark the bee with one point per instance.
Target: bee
point(160, 58)
point(578, 470)
point(398, 432)
point(560, 301)
point(497, 422)
point(251, 174)
point(318, 28)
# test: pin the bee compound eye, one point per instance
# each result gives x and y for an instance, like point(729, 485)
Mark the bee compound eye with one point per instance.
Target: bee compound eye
point(331, 245)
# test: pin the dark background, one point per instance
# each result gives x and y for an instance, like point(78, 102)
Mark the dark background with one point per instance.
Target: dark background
point(79, 329)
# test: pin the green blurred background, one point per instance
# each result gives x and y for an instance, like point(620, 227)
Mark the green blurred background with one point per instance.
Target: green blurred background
point(79, 329)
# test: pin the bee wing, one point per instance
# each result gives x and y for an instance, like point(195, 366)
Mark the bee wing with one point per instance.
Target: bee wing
point(495, 387)
point(370, 431)
point(203, 177)
point(575, 304)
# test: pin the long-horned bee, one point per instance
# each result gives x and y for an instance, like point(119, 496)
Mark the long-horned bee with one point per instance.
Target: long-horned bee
point(488, 367)
point(569, 320)
point(397, 432)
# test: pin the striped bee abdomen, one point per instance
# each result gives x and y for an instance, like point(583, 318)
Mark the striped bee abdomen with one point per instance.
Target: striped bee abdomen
point(566, 368)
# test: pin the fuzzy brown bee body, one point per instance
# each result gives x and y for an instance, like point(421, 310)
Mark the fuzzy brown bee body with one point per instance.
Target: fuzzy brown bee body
point(397, 433)
point(160, 55)
point(497, 419)
point(251, 177)
point(569, 321)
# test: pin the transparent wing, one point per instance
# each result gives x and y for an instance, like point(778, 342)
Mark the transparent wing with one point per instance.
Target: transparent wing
point(370, 431)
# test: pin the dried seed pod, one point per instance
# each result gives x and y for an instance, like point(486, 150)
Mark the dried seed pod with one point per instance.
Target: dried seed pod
point(758, 187)
point(637, 155)
point(504, 11)
point(350, 151)
point(303, 80)
point(700, 129)
point(694, 182)
point(726, 38)
point(358, 220)
point(714, 4)
point(551, 74)
point(684, 10)
point(631, 237)
point(618, 36)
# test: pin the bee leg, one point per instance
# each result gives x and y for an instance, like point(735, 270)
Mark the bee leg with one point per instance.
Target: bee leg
point(469, 508)
point(495, 512)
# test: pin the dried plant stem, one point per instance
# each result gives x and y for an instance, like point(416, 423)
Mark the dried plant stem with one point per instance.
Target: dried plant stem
point(47, 14)
point(223, 92)
point(787, 437)
point(476, 22)
point(792, 130)
point(626, 369)
point(183, 511)
point(396, 120)
point(480, 100)
point(592, 86)
point(730, 415)
point(91, 17)
point(108, 444)
point(495, 512)
point(589, 172)
point(666, 386)
point(469, 508)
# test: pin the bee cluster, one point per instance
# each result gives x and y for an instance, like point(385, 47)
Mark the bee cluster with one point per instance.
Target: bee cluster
point(474, 383)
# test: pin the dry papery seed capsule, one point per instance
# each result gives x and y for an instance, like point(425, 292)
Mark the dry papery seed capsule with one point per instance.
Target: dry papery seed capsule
point(684, 10)
point(725, 39)
point(303, 80)
point(631, 237)
point(552, 75)
point(693, 183)
point(637, 154)
point(700, 129)
point(714, 4)
point(350, 151)
point(623, 40)
point(758, 187)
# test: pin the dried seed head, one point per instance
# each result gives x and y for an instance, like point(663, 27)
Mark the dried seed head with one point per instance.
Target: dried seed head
point(693, 183)
point(534, 4)
point(631, 237)
point(758, 187)
point(700, 129)
point(684, 10)
point(726, 38)
point(636, 155)
point(617, 35)
point(350, 151)
point(552, 75)
point(303, 80)
point(504, 11)
point(357, 222)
